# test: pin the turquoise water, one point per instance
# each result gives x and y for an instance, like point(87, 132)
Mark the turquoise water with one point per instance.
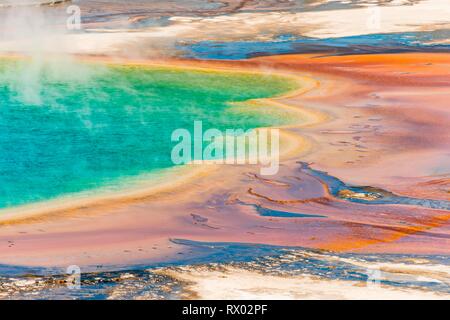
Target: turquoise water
point(71, 128)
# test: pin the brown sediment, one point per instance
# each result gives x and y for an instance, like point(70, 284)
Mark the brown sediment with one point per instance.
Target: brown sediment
point(321, 200)
point(391, 234)
point(269, 181)
point(367, 124)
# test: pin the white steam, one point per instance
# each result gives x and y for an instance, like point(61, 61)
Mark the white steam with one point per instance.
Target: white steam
point(39, 36)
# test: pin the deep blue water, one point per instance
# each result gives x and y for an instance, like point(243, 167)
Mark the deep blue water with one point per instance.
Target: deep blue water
point(285, 44)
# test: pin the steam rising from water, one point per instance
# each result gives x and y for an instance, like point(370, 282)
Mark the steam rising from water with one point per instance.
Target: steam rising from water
point(39, 34)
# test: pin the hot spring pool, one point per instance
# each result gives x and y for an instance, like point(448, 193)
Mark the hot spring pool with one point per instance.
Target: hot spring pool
point(65, 129)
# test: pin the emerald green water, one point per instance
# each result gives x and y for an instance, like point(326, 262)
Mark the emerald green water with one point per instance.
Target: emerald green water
point(91, 126)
